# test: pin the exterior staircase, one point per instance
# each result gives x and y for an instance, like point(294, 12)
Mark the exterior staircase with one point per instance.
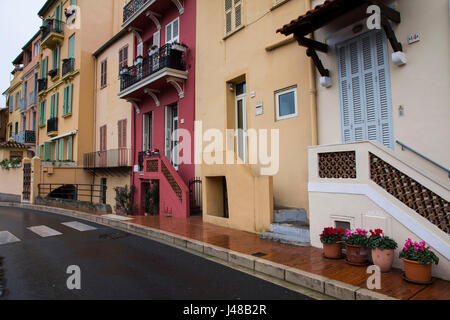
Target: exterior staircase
point(291, 226)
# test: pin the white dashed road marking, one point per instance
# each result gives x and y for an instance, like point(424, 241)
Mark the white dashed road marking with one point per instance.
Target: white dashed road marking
point(7, 237)
point(79, 226)
point(44, 231)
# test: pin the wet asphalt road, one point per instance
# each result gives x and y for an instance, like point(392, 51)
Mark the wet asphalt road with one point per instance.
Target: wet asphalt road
point(128, 268)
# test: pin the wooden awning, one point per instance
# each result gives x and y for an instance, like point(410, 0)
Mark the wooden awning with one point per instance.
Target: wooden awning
point(326, 13)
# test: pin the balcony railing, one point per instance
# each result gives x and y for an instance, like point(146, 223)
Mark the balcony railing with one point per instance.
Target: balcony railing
point(132, 7)
point(52, 125)
point(118, 158)
point(68, 66)
point(166, 57)
point(25, 137)
point(51, 26)
point(42, 84)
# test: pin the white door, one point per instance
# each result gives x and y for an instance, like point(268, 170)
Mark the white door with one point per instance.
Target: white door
point(365, 93)
point(241, 127)
point(147, 125)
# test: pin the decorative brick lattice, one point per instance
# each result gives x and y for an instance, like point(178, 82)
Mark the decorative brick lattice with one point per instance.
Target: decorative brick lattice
point(152, 166)
point(417, 197)
point(175, 187)
point(337, 165)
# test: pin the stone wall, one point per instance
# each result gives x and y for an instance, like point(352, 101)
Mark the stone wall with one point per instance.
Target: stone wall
point(73, 204)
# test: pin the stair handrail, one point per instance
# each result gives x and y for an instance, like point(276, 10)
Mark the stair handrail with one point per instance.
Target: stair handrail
point(422, 156)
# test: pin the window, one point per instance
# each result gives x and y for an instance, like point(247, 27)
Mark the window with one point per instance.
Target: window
point(286, 103)
point(122, 130)
point(233, 15)
point(42, 107)
point(16, 155)
point(67, 100)
point(54, 102)
point(10, 131)
point(103, 74)
point(16, 128)
point(55, 58)
point(37, 45)
point(173, 31)
point(123, 57)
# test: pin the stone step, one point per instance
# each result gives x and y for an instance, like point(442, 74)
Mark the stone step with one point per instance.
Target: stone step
point(286, 239)
point(296, 229)
point(287, 215)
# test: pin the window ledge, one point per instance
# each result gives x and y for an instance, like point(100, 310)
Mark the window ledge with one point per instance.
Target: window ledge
point(67, 115)
point(233, 32)
point(279, 4)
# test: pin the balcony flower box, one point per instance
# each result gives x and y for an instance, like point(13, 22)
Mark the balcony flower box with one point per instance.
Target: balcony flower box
point(124, 71)
point(179, 47)
point(68, 12)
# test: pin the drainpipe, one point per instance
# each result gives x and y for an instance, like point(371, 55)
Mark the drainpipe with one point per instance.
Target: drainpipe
point(312, 92)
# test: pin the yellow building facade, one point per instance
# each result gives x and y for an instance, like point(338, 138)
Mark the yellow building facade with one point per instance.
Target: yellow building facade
point(72, 31)
point(251, 78)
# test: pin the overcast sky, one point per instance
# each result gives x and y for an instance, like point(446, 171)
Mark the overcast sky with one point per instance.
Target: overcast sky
point(18, 23)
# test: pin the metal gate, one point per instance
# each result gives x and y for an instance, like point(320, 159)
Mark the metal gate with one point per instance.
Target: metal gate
point(195, 192)
point(26, 182)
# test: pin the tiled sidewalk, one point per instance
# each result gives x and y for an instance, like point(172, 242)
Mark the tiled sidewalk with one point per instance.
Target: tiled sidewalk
point(306, 259)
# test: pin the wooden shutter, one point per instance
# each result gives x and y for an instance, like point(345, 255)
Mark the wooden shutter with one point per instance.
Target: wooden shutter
point(56, 150)
point(61, 150)
point(228, 15)
point(237, 13)
point(124, 133)
point(119, 133)
point(103, 138)
point(47, 151)
point(70, 149)
point(69, 98)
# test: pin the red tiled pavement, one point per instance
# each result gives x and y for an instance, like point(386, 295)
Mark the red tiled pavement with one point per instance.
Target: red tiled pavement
point(304, 258)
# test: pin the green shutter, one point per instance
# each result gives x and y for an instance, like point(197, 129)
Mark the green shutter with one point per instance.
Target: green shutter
point(70, 149)
point(47, 151)
point(69, 99)
point(56, 150)
point(44, 67)
point(52, 106)
point(72, 46)
point(38, 151)
point(65, 101)
point(61, 149)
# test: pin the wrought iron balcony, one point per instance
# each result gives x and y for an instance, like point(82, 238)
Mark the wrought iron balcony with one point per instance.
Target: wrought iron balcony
point(52, 125)
point(42, 84)
point(27, 136)
point(168, 56)
point(117, 158)
point(52, 33)
point(68, 66)
point(132, 7)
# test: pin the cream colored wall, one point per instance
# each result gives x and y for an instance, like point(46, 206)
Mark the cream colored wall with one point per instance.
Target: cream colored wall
point(366, 205)
point(12, 179)
point(109, 108)
point(113, 181)
point(244, 54)
point(421, 87)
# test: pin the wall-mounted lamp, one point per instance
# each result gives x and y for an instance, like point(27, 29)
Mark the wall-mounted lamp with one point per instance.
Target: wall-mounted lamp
point(399, 58)
point(231, 86)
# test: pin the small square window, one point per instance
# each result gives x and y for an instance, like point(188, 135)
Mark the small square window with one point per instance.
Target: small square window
point(286, 103)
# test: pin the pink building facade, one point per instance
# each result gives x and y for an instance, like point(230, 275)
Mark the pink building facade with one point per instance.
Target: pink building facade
point(161, 87)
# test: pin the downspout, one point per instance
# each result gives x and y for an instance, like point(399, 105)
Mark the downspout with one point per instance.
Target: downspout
point(312, 92)
point(94, 129)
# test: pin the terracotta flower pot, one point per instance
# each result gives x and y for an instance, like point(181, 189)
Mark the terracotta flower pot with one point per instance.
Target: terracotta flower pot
point(357, 255)
point(332, 250)
point(417, 272)
point(383, 259)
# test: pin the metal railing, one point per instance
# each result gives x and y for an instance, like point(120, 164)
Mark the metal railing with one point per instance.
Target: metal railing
point(26, 136)
point(50, 26)
point(166, 57)
point(132, 7)
point(68, 66)
point(42, 84)
point(423, 157)
point(52, 125)
point(76, 192)
point(117, 158)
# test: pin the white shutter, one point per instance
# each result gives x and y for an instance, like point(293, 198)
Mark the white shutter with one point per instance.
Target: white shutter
point(366, 111)
point(384, 92)
point(169, 33)
point(168, 146)
point(176, 30)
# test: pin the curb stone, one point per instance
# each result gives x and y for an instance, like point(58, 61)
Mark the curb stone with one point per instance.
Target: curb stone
point(294, 276)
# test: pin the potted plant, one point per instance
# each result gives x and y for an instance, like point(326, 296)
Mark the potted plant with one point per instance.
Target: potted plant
point(332, 242)
point(53, 73)
point(382, 250)
point(418, 259)
point(356, 247)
